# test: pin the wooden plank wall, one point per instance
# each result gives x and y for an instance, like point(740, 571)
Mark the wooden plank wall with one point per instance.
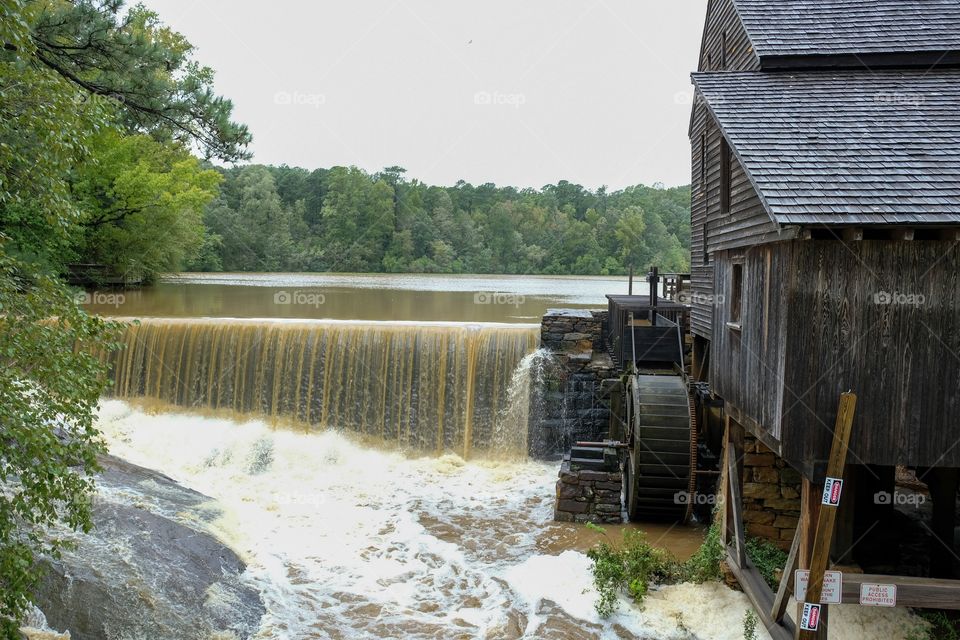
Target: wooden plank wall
point(747, 365)
point(722, 17)
point(902, 359)
point(705, 194)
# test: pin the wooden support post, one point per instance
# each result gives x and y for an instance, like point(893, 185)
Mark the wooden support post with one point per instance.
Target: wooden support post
point(826, 518)
point(783, 593)
point(732, 523)
point(736, 511)
point(725, 486)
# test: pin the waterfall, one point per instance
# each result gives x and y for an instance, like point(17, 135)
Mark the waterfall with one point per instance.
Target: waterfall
point(430, 387)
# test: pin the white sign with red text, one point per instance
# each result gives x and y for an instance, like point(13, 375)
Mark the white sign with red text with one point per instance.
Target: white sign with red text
point(832, 591)
point(878, 595)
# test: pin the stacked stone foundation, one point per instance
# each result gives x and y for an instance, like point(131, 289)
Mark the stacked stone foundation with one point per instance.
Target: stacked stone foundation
point(588, 496)
point(771, 495)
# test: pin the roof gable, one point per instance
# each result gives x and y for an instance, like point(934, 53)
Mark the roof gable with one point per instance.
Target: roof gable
point(845, 148)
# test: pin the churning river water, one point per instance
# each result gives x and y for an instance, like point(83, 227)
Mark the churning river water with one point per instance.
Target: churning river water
point(398, 502)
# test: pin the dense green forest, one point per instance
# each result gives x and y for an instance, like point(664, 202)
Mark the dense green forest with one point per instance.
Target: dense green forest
point(344, 219)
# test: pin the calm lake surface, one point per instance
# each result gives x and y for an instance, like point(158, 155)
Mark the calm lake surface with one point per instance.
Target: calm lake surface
point(406, 297)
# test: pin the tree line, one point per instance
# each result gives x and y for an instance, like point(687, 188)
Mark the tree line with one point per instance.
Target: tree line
point(269, 218)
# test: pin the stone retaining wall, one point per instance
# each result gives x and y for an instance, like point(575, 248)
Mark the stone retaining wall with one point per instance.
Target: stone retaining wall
point(588, 496)
point(771, 494)
point(572, 402)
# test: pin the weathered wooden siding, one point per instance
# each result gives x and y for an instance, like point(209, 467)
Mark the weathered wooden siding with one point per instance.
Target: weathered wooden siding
point(701, 310)
point(722, 18)
point(746, 222)
point(746, 365)
point(902, 359)
point(705, 194)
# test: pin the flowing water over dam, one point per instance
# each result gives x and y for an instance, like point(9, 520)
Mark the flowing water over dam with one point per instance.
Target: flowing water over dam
point(431, 387)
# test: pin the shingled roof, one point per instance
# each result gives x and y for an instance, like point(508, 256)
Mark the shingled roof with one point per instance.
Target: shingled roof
point(835, 27)
point(845, 148)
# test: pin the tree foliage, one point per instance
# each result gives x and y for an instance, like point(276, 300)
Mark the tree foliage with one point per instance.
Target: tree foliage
point(98, 107)
point(141, 204)
point(131, 58)
point(343, 219)
point(50, 382)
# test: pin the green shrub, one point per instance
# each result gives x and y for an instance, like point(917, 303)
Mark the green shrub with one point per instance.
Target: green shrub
point(750, 621)
point(704, 564)
point(636, 565)
point(768, 558)
point(630, 569)
point(938, 625)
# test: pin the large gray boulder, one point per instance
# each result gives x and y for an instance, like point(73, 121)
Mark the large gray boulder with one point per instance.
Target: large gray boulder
point(150, 569)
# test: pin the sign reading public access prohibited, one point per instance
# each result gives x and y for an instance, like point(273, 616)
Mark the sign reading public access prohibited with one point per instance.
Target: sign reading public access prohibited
point(832, 592)
point(810, 619)
point(831, 491)
point(878, 595)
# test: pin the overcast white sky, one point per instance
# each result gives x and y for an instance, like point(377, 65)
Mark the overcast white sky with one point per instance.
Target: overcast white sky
point(516, 92)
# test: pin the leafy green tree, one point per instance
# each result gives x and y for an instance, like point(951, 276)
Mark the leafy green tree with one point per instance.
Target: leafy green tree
point(630, 233)
point(69, 71)
point(130, 58)
point(358, 218)
point(50, 382)
point(383, 222)
point(142, 204)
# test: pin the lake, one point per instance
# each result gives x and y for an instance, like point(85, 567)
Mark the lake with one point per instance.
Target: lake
point(404, 297)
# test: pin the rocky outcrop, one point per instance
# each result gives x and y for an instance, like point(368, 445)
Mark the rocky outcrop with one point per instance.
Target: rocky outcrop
point(151, 568)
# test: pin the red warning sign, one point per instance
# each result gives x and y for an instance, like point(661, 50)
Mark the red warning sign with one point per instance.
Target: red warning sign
point(832, 488)
point(810, 619)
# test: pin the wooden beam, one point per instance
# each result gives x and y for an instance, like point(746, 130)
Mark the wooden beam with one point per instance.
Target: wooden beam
point(828, 512)
point(844, 536)
point(736, 513)
point(761, 597)
point(725, 486)
point(779, 608)
point(950, 235)
point(922, 593)
point(902, 234)
point(852, 234)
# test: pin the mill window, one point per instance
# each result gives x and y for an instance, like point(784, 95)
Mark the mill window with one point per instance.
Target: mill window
point(724, 177)
point(736, 295)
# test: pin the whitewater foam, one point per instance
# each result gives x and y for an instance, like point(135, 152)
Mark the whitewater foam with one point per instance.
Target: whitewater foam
point(350, 542)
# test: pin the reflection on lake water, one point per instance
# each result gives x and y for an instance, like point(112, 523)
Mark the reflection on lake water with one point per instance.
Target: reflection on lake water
point(409, 297)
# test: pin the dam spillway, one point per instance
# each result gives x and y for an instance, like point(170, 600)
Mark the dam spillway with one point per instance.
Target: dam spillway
point(427, 387)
